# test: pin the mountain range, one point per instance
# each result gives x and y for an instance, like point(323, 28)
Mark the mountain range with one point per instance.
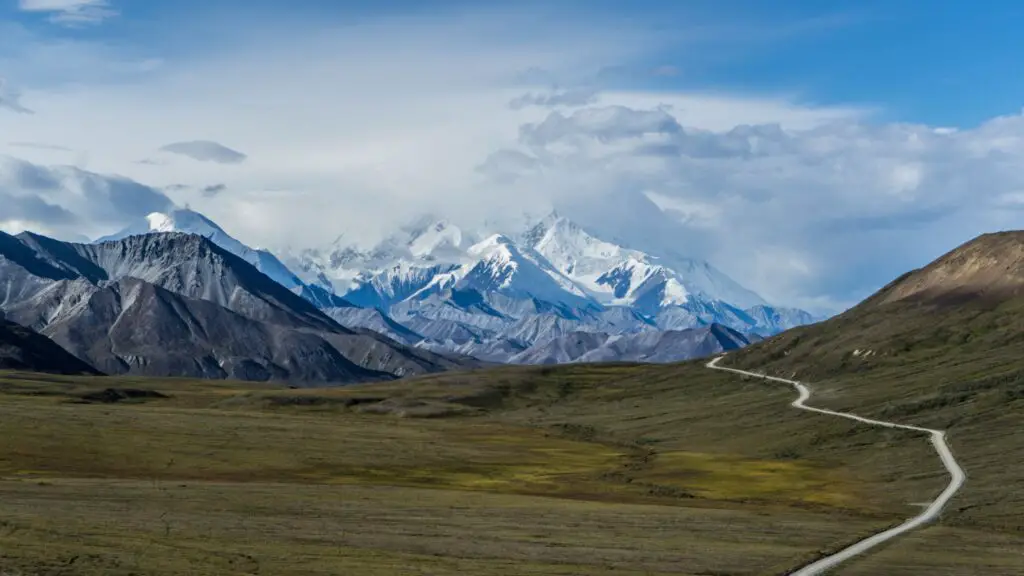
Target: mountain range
point(504, 295)
point(176, 295)
point(174, 304)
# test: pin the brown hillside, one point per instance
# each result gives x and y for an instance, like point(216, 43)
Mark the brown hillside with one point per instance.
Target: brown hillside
point(988, 267)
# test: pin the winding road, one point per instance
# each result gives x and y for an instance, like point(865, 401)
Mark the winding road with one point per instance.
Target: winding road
point(938, 437)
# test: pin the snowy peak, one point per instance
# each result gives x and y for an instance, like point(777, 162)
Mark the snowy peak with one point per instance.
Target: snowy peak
point(502, 265)
point(566, 245)
point(497, 246)
point(618, 275)
point(440, 240)
point(346, 267)
point(159, 222)
point(180, 220)
point(183, 220)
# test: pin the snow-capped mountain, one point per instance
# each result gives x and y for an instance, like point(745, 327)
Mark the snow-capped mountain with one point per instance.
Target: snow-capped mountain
point(191, 222)
point(428, 246)
point(509, 296)
point(620, 276)
point(499, 265)
point(397, 283)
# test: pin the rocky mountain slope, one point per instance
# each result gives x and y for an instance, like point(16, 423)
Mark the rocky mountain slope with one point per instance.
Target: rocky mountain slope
point(187, 221)
point(191, 222)
point(990, 268)
point(23, 349)
point(173, 304)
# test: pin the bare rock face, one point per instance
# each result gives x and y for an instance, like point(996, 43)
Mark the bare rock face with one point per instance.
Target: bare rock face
point(178, 305)
point(23, 349)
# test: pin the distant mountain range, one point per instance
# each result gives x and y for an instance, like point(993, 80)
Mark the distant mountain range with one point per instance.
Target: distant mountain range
point(175, 294)
point(506, 296)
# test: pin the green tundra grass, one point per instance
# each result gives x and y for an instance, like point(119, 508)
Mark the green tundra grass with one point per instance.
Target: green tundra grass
point(589, 470)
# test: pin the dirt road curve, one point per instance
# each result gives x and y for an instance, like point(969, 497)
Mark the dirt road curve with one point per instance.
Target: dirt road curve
point(938, 438)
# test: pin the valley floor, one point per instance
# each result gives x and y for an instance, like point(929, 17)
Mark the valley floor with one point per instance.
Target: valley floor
point(568, 470)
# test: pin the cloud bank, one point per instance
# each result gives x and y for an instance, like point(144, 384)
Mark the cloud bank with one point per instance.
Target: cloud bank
point(833, 211)
point(67, 202)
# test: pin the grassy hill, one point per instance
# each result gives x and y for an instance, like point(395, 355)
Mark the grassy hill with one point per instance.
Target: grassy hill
point(939, 347)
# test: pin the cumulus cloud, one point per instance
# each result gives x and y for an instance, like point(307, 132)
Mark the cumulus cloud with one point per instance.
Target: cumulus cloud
point(68, 202)
point(834, 210)
point(205, 151)
point(71, 12)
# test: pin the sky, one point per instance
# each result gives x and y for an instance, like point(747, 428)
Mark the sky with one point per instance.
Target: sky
point(811, 150)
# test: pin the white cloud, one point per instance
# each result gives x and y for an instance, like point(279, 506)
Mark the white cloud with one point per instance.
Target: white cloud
point(807, 215)
point(356, 129)
point(71, 12)
point(335, 140)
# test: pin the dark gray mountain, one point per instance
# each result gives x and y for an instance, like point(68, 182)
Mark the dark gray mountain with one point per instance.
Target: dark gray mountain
point(179, 305)
point(189, 265)
point(23, 349)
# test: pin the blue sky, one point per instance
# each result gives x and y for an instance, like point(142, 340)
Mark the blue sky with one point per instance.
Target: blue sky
point(941, 62)
point(806, 148)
